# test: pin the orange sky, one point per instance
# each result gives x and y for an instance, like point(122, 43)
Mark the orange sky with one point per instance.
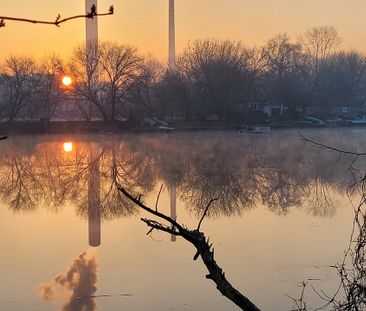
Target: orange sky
point(144, 23)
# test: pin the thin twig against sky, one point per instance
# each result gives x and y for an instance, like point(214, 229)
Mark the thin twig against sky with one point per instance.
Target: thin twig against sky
point(93, 13)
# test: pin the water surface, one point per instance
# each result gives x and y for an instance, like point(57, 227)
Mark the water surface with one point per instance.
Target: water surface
point(71, 241)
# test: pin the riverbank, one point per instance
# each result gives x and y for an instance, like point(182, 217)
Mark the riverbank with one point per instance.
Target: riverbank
point(90, 127)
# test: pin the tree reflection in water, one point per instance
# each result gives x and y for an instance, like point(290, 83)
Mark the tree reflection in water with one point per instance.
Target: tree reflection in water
point(243, 171)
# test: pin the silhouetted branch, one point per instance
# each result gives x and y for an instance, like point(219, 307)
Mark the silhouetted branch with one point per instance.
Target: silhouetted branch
point(93, 13)
point(137, 201)
point(323, 146)
point(205, 213)
point(203, 248)
point(299, 303)
point(351, 292)
point(158, 197)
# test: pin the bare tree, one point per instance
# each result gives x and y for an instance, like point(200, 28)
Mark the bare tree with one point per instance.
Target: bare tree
point(17, 83)
point(85, 65)
point(142, 93)
point(120, 68)
point(341, 79)
point(104, 73)
point(281, 55)
point(49, 94)
point(172, 94)
point(221, 73)
point(287, 71)
point(319, 42)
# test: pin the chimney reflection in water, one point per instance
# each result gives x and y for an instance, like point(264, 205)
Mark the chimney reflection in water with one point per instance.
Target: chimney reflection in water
point(94, 197)
point(173, 205)
point(94, 222)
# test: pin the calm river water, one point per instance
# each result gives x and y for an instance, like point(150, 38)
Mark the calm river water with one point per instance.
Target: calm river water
point(71, 241)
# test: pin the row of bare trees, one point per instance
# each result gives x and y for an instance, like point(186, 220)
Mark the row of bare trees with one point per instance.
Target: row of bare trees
point(114, 81)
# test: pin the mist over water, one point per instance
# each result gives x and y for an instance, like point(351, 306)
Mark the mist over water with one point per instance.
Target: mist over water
point(244, 171)
point(283, 216)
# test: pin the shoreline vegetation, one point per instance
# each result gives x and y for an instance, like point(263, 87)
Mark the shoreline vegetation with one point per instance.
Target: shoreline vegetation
point(100, 127)
point(214, 84)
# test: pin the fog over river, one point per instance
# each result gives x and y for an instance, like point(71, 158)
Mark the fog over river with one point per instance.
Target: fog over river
point(72, 241)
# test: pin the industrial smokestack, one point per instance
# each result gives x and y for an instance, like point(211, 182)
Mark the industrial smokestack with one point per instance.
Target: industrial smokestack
point(91, 23)
point(171, 35)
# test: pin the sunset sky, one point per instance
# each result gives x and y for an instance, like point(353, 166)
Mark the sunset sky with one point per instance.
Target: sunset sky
point(144, 23)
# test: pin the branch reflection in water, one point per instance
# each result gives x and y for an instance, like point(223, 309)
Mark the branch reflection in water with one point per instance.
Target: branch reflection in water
point(244, 171)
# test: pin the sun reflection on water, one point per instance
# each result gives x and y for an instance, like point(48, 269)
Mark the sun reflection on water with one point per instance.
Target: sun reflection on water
point(68, 147)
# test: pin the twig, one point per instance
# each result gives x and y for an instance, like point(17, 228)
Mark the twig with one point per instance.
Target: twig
point(93, 13)
point(205, 213)
point(158, 197)
point(155, 213)
point(341, 151)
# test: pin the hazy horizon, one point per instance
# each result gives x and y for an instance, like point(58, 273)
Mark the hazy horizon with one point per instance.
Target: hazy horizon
point(144, 23)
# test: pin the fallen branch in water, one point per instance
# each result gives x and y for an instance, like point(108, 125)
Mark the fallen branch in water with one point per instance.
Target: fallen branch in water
point(93, 13)
point(204, 249)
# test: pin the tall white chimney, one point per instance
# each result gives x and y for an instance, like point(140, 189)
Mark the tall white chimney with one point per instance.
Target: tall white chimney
point(171, 35)
point(91, 23)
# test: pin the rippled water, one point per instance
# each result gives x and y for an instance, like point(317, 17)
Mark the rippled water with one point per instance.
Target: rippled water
point(71, 241)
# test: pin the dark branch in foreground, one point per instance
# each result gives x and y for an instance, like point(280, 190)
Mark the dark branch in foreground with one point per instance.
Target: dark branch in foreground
point(350, 294)
point(93, 12)
point(204, 249)
point(356, 155)
point(330, 148)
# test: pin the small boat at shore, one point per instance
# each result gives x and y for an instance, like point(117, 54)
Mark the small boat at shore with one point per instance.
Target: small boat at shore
point(166, 128)
point(255, 129)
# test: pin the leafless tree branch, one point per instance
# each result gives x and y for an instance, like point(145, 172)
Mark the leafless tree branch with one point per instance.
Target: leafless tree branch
point(93, 13)
point(204, 249)
point(158, 197)
point(331, 148)
point(205, 213)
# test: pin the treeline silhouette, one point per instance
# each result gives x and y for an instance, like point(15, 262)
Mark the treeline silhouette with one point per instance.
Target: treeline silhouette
point(243, 171)
point(211, 77)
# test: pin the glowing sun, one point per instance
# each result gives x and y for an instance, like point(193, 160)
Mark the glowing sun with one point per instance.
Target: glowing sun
point(66, 80)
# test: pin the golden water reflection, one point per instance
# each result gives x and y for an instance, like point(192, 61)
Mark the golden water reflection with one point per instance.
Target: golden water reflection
point(256, 177)
point(243, 172)
point(68, 146)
